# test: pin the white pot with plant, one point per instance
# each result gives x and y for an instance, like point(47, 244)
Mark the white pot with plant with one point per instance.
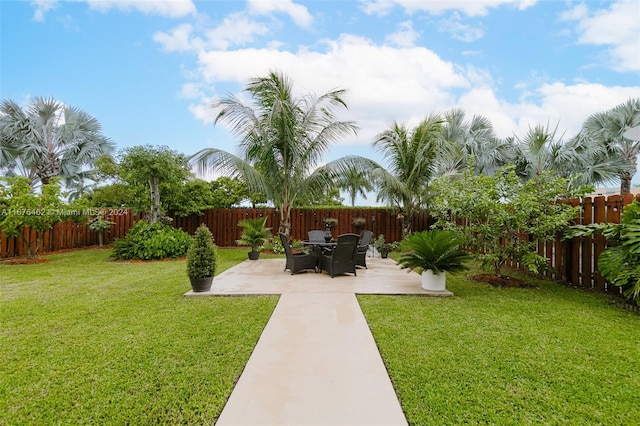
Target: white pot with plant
point(435, 252)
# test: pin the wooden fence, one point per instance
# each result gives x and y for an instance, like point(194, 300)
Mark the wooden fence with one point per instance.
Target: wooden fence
point(223, 223)
point(574, 262)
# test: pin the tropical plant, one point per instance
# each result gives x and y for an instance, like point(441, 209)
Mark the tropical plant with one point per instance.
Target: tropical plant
point(24, 211)
point(149, 241)
point(502, 217)
point(382, 247)
point(202, 255)
point(48, 139)
point(471, 143)
point(282, 138)
point(99, 223)
point(411, 155)
point(254, 232)
point(355, 182)
point(619, 263)
point(435, 250)
point(607, 129)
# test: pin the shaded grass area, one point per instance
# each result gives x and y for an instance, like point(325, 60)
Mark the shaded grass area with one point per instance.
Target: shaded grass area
point(550, 355)
point(86, 340)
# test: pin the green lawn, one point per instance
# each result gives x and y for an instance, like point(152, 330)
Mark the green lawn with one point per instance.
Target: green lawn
point(85, 340)
point(551, 355)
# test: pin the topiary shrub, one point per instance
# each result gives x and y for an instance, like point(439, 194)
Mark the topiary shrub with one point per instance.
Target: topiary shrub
point(202, 257)
point(146, 241)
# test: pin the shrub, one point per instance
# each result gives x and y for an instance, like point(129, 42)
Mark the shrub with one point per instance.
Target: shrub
point(146, 241)
point(202, 257)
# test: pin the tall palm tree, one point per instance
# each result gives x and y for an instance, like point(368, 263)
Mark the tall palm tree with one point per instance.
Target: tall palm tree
point(541, 150)
point(411, 154)
point(282, 139)
point(472, 142)
point(607, 128)
point(48, 139)
point(355, 182)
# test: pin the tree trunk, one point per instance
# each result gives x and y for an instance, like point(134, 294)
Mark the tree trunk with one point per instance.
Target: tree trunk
point(285, 220)
point(154, 214)
point(625, 183)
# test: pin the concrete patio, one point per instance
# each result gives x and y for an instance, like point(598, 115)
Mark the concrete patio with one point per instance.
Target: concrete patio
point(266, 276)
point(316, 362)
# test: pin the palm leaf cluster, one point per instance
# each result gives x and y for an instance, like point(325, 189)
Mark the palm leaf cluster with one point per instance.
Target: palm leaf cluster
point(435, 249)
point(48, 139)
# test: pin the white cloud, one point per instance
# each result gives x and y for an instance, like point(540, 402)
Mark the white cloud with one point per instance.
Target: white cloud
point(171, 9)
point(617, 27)
point(298, 13)
point(460, 30)
point(179, 39)
point(235, 29)
point(437, 7)
point(168, 8)
point(41, 8)
point(405, 36)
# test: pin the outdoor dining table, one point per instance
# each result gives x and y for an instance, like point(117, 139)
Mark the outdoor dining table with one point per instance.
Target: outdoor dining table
point(320, 247)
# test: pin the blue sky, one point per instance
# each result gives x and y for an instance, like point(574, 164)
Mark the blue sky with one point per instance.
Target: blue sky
point(148, 70)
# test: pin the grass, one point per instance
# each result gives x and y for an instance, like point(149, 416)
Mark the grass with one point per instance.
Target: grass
point(84, 340)
point(551, 355)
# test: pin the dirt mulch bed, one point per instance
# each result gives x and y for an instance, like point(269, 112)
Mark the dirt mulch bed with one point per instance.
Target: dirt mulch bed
point(502, 281)
point(24, 261)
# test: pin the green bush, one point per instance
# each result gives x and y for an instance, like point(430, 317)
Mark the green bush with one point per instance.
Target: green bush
point(146, 241)
point(202, 256)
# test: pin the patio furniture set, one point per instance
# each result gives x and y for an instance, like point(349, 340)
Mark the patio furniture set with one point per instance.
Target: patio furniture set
point(339, 256)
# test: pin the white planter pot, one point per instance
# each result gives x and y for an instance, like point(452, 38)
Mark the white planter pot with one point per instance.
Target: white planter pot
point(433, 282)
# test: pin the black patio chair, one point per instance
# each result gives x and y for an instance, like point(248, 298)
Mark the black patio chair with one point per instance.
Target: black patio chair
point(316, 235)
point(343, 257)
point(363, 246)
point(297, 262)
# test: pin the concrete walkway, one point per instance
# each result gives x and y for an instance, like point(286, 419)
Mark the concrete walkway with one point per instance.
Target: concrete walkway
point(316, 362)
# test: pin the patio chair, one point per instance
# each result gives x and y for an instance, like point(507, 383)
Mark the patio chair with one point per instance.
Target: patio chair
point(316, 235)
point(297, 262)
point(342, 258)
point(363, 246)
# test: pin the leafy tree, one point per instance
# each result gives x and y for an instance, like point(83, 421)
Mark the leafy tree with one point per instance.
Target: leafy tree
point(282, 138)
point(228, 192)
point(329, 198)
point(607, 128)
point(48, 139)
point(153, 165)
point(25, 210)
point(501, 217)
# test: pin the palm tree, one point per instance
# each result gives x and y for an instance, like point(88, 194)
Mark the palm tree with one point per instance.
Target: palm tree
point(472, 142)
point(48, 139)
point(607, 128)
point(355, 182)
point(282, 139)
point(411, 155)
point(541, 150)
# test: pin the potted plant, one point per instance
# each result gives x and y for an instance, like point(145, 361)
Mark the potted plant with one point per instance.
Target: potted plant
point(202, 260)
point(382, 246)
point(329, 223)
point(359, 223)
point(254, 234)
point(435, 252)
